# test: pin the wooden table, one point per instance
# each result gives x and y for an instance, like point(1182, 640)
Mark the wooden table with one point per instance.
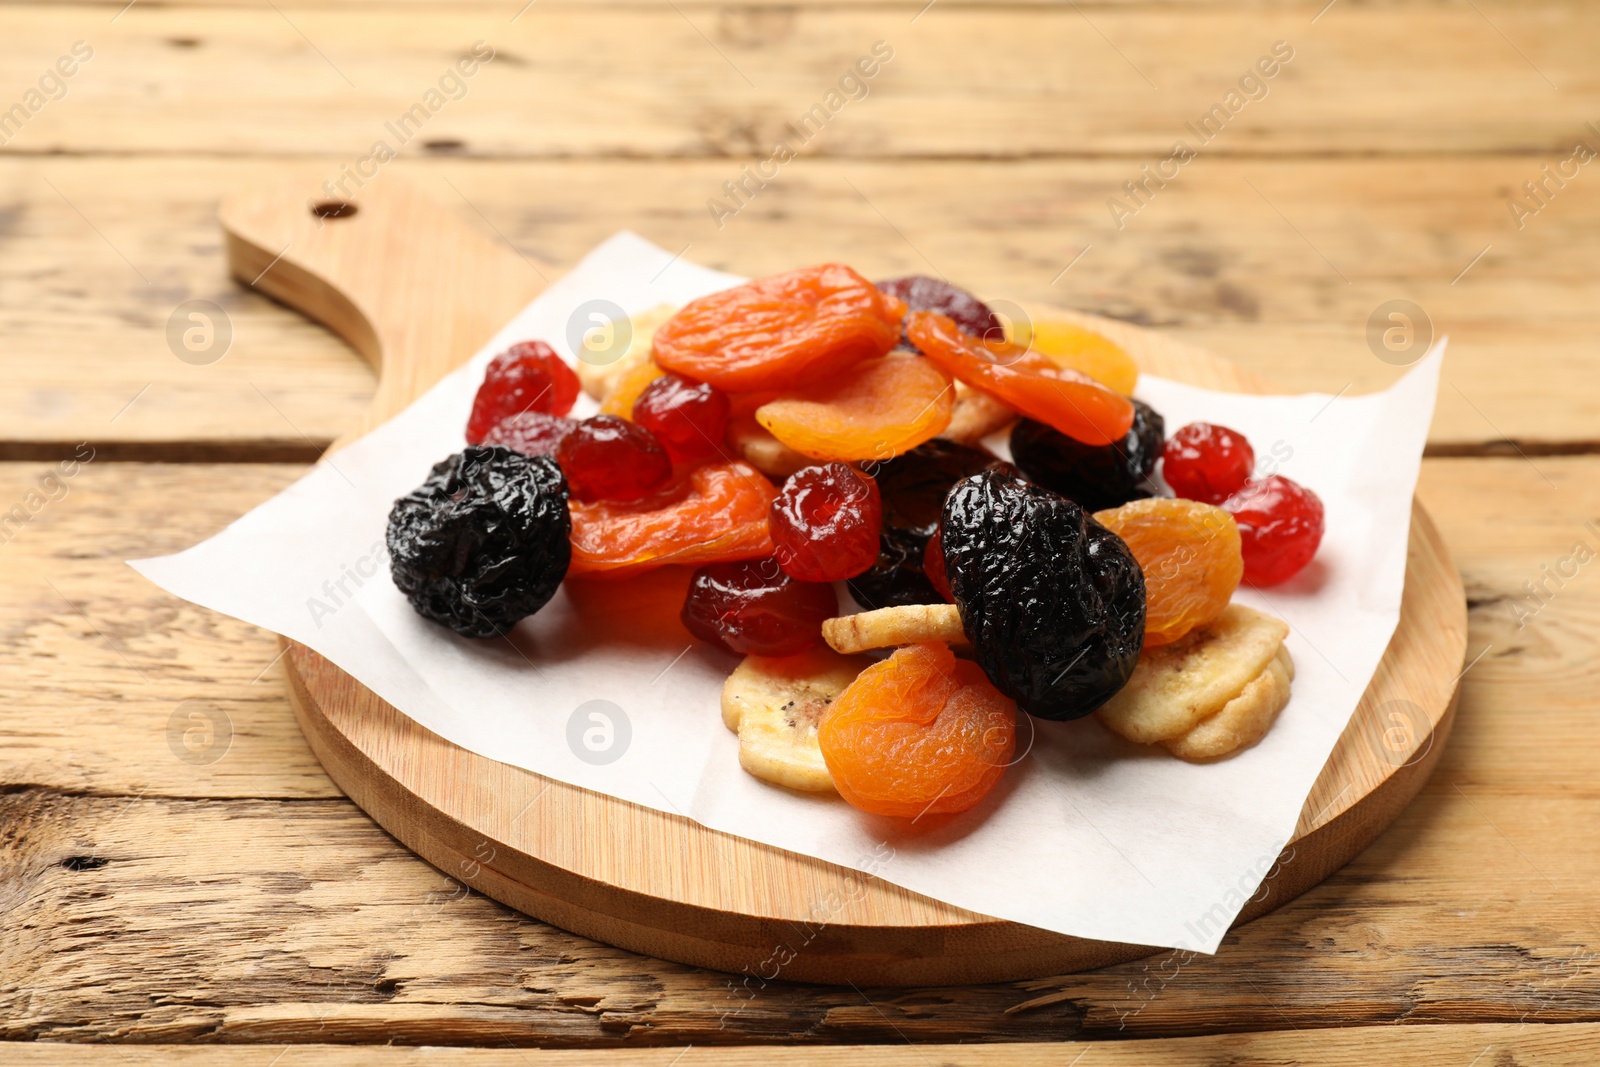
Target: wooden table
point(154, 902)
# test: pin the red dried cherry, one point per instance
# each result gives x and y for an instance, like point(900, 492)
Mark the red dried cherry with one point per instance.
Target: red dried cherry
point(825, 523)
point(690, 418)
point(1207, 463)
point(533, 433)
point(528, 376)
point(609, 458)
point(933, 568)
point(1280, 527)
point(752, 608)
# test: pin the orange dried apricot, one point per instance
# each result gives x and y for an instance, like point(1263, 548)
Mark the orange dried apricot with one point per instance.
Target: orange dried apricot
point(1073, 403)
point(1191, 558)
point(879, 408)
point(780, 332)
point(719, 512)
point(919, 733)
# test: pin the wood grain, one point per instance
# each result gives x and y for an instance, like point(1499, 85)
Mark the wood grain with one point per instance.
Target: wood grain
point(726, 80)
point(1529, 1046)
point(1209, 263)
point(268, 914)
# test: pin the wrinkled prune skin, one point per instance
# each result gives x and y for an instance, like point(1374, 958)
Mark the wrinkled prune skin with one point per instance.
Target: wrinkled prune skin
point(1052, 601)
point(912, 487)
point(922, 293)
point(1094, 477)
point(483, 542)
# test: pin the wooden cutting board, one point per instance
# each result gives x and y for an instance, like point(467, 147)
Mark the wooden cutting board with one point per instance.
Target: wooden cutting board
point(416, 291)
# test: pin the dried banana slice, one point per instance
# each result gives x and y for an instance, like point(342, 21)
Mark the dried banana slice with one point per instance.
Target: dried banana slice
point(599, 379)
point(1175, 686)
point(774, 704)
point(975, 416)
point(1244, 720)
point(893, 627)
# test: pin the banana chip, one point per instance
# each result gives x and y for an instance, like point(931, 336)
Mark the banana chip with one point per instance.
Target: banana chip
point(1176, 686)
point(1244, 720)
point(976, 415)
point(893, 627)
point(774, 704)
point(599, 380)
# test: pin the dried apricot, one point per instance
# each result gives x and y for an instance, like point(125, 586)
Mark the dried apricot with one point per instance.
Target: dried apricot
point(1073, 403)
point(1075, 348)
point(719, 512)
point(919, 733)
point(780, 332)
point(876, 409)
point(1190, 555)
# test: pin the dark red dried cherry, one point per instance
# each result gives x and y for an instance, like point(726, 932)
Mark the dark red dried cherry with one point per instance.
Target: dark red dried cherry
point(528, 376)
point(609, 458)
point(689, 418)
point(753, 608)
point(1207, 463)
point(1280, 526)
point(533, 433)
point(933, 568)
point(825, 523)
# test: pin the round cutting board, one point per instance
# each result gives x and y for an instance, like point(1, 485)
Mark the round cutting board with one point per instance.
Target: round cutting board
point(417, 292)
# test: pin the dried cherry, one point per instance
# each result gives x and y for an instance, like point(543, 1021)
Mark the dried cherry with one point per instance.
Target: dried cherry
point(933, 567)
point(1207, 463)
point(533, 433)
point(752, 608)
point(606, 457)
point(528, 376)
point(482, 542)
point(689, 418)
point(913, 487)
point(780, 332)
point(825, 523)
point(1053, 602)
point(1093, 476)
point(920, 733)
point(1280, 526)
point(922, 293)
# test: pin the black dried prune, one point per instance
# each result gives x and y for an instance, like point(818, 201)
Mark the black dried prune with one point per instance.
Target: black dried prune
point(484, 541)
point(922, 293)
point(912, 487)
point(1095, 477)
point(1052, 601)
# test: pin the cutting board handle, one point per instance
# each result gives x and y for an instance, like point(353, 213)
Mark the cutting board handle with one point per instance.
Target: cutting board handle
point(403, 279)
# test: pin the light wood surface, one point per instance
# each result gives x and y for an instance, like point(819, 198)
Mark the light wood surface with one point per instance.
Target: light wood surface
point(247, 901)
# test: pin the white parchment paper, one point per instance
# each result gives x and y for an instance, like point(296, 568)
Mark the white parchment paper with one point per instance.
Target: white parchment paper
point(1087, 835)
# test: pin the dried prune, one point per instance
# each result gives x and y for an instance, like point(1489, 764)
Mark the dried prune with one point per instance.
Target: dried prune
point(922, 293)
point(913, 487)
point(483, 542)
point(1093, 476)
point(1053, 602)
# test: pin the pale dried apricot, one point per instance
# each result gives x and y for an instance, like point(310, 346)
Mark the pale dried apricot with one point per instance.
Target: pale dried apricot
point(1068, 345)
point(1190, 555)
point(877, 409)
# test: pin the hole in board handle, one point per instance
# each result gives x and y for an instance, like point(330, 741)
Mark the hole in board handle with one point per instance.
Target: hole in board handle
point(333, 209)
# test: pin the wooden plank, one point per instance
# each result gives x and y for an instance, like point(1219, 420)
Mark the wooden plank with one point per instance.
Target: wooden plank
point(279, 912)
point(1209, 260)
point(1572, 1045)
point(1010, 82)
